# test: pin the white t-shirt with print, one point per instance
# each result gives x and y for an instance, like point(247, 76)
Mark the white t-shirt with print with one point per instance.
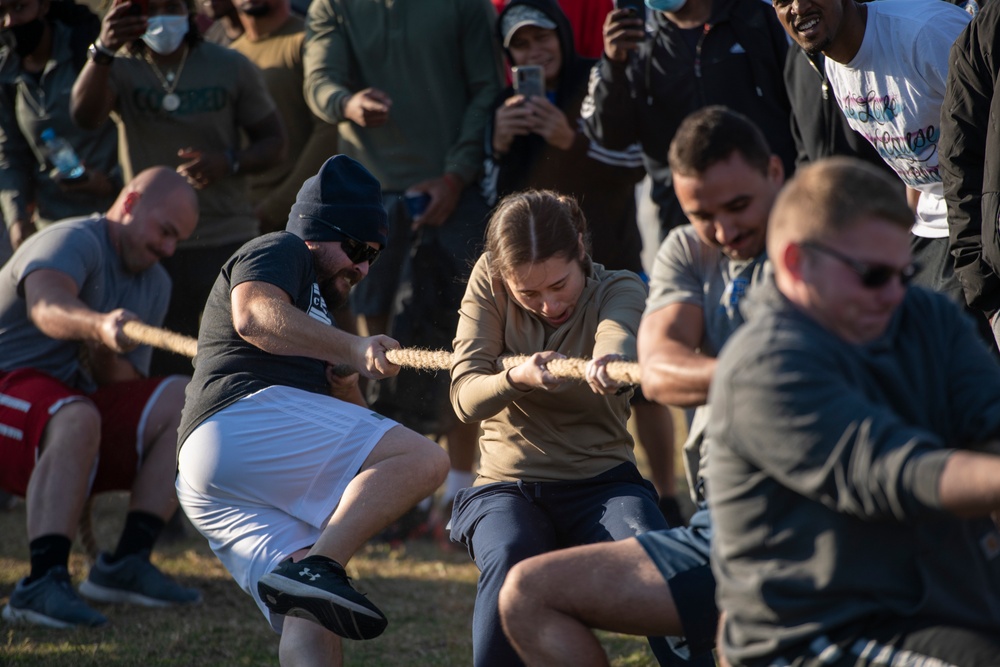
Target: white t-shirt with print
point(892, 90)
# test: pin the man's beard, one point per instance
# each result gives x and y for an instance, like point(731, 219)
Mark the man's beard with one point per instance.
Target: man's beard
point(329, 287)
point(816, 49)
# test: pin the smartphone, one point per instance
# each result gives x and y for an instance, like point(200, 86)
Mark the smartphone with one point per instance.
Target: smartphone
point(638, 7)
point(138, 7)
point(529, 80)
point(416, 203)
point(636, 10)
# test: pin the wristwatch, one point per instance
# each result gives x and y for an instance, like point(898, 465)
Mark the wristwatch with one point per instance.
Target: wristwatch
point(100, 54)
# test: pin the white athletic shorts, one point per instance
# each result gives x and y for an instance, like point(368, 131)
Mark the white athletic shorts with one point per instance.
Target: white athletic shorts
point(260, 478)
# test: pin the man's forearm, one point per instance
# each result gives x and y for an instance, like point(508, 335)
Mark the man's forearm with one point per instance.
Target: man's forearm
point(65, 318)
point(969, 485)
point(674, 370)
point(91, 99)
point(679, 377)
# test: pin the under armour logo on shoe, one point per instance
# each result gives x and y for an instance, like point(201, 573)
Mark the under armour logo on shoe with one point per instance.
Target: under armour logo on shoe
point(306, 573)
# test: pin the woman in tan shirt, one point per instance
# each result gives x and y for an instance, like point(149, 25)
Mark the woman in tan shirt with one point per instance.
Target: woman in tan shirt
point(556, 460)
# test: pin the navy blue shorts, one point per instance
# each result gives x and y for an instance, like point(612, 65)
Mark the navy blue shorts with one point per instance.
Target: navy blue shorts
point(682, 557)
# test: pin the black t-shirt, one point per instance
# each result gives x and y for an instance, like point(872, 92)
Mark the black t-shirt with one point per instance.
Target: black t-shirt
point(227, 368)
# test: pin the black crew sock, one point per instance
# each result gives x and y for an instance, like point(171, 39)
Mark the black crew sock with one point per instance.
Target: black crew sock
point(47, 552)
point(139, 535)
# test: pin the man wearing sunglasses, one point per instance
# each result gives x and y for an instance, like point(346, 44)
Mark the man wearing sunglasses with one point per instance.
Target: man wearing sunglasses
point(854, 450)
point(281, 465)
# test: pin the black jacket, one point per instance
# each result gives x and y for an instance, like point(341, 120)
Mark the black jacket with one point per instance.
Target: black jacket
point(737, 61)
point(969, 158)
point(819, 127)
point(602, 181)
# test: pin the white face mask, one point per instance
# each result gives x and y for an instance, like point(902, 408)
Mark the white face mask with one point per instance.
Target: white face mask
point(665, 5)
point(164, 34)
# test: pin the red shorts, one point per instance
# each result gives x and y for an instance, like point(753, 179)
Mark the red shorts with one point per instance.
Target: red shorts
point(29, 398)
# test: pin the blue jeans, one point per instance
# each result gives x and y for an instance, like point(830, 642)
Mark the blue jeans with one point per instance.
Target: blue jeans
point(504, 523)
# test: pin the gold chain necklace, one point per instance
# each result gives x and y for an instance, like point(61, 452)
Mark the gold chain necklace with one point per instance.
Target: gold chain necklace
point(170, 102)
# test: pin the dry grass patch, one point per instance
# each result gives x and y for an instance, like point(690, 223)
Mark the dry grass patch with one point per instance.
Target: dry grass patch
point(426, 592)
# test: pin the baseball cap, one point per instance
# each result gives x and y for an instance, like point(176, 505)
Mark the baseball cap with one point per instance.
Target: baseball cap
point(519, 16)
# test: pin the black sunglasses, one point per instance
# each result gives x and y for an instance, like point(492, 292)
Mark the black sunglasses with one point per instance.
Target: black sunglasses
point(357, 250)
point(872, 276)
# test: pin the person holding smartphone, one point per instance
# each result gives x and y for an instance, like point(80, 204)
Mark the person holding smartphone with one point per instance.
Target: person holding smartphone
point(689, 55)
point(537, 142)
point(43, 45)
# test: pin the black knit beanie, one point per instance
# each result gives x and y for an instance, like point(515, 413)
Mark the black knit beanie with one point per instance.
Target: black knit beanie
point(342, 199)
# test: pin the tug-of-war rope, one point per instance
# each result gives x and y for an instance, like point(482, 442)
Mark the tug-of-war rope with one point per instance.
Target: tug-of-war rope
point(410, 357)
point(420, 359)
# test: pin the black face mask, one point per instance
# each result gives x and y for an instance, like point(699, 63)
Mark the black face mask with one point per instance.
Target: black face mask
point(27, 36)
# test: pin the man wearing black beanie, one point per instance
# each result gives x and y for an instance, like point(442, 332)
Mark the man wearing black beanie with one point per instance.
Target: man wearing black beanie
point(281, 465)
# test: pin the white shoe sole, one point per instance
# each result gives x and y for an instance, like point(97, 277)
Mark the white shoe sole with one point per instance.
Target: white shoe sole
point(16, 616)
point(98, 593)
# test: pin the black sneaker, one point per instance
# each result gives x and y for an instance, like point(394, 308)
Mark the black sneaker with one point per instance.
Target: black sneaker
point(135, 580)
point(317, 588)
point(52, 602)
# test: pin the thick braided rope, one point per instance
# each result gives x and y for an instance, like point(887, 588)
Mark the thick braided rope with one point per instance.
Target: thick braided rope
point(161, 338)
point(410, 357)
point(573, 369)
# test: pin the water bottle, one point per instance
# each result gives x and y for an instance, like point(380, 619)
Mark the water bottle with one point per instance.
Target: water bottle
point(62, 155)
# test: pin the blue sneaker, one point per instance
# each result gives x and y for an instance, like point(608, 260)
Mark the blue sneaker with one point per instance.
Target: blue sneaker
point(52, 602)
point(317, 588)
point(135, 580)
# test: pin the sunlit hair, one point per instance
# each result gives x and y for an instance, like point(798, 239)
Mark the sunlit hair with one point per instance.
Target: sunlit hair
point(832, 195)
point(712, 134)
point(534, 226)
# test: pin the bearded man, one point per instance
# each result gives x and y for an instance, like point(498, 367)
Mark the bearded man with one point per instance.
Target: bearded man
point(281, 465)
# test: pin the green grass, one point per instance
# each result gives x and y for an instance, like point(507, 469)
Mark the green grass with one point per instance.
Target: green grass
point(426, 592)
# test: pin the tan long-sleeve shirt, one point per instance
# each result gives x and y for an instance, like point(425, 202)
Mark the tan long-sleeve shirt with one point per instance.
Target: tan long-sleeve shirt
point(567, 433)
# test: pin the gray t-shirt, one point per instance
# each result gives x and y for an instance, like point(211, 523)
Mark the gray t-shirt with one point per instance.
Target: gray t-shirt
point(687, 270)
point(82, 249)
